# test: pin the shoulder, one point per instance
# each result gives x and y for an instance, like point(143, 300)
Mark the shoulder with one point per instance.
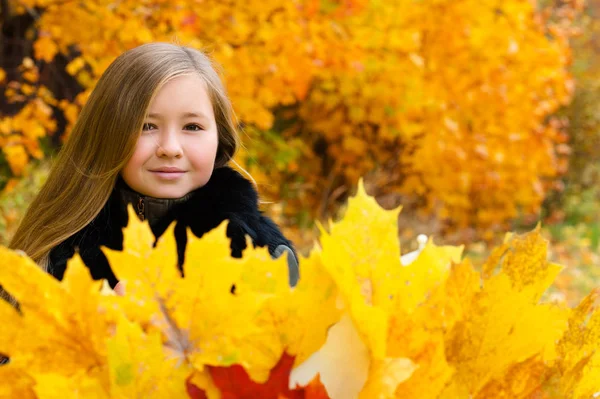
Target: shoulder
point(226, 192)
point(103, 230)
point(232, 188)
point(226, 175)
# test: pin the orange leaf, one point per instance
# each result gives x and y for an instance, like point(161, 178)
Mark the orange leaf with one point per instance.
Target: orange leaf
point(45, 48)
point(17, 158)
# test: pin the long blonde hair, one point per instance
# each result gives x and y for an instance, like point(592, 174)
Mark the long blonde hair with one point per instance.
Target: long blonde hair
point(104, 138)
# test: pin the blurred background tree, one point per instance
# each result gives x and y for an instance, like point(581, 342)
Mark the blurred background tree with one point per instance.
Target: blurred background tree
point(453, 108)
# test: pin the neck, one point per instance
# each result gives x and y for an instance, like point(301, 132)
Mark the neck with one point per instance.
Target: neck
point(147, 208)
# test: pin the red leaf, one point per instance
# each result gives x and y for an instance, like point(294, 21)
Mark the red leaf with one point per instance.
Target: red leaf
point(234, 383)
point(193, 391)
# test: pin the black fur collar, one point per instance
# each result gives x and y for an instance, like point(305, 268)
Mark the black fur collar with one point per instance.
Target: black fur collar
point(226, 196)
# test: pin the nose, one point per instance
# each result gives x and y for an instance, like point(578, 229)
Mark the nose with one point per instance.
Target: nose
point(169, 145)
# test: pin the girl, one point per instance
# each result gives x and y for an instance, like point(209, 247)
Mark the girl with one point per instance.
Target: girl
point(157, 132)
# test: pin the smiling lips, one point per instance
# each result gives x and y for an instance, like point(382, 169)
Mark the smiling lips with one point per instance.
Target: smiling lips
point(168, 172)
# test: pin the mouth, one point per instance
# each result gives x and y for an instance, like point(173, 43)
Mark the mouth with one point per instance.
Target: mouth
point(167, 173)
point(167, 169)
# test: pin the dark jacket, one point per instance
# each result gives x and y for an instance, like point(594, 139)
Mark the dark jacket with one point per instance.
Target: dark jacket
point(227, 196)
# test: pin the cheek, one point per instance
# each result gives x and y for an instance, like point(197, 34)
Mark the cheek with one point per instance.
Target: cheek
point(204, 152)
point(141, 154)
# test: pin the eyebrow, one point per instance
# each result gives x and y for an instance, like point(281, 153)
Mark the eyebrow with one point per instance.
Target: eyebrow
point(185, 115)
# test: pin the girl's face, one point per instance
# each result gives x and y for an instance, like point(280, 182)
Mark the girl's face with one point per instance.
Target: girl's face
point(176, 150)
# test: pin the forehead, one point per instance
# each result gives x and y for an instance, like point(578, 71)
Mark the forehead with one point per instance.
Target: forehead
point(187, 94)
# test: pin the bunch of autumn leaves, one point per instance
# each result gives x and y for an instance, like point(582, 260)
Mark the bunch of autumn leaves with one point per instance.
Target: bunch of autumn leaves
point(359, 324)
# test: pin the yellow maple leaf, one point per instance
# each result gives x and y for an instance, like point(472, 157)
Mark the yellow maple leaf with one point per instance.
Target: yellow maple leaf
point(189, 312)
point(525, 263)
point(478, 337)
point(579, 351)
point(76, 350)
point(420, 323)
point(430, 269)
point(462, 285)
point(138, 365)
point(55, 385)
point(21, 384)
point(505, 318)
point(385, 376)
point(362, 255)
point(65, 315)
point(303, 315)
point(520, 380)
point(432, 374)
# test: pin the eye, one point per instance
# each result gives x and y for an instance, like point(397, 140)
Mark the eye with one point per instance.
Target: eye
point(194, 127)
point(148, 126)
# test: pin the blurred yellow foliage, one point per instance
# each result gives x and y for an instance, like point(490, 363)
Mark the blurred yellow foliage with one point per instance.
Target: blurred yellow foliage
point(16, 157)
point(447, 100)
